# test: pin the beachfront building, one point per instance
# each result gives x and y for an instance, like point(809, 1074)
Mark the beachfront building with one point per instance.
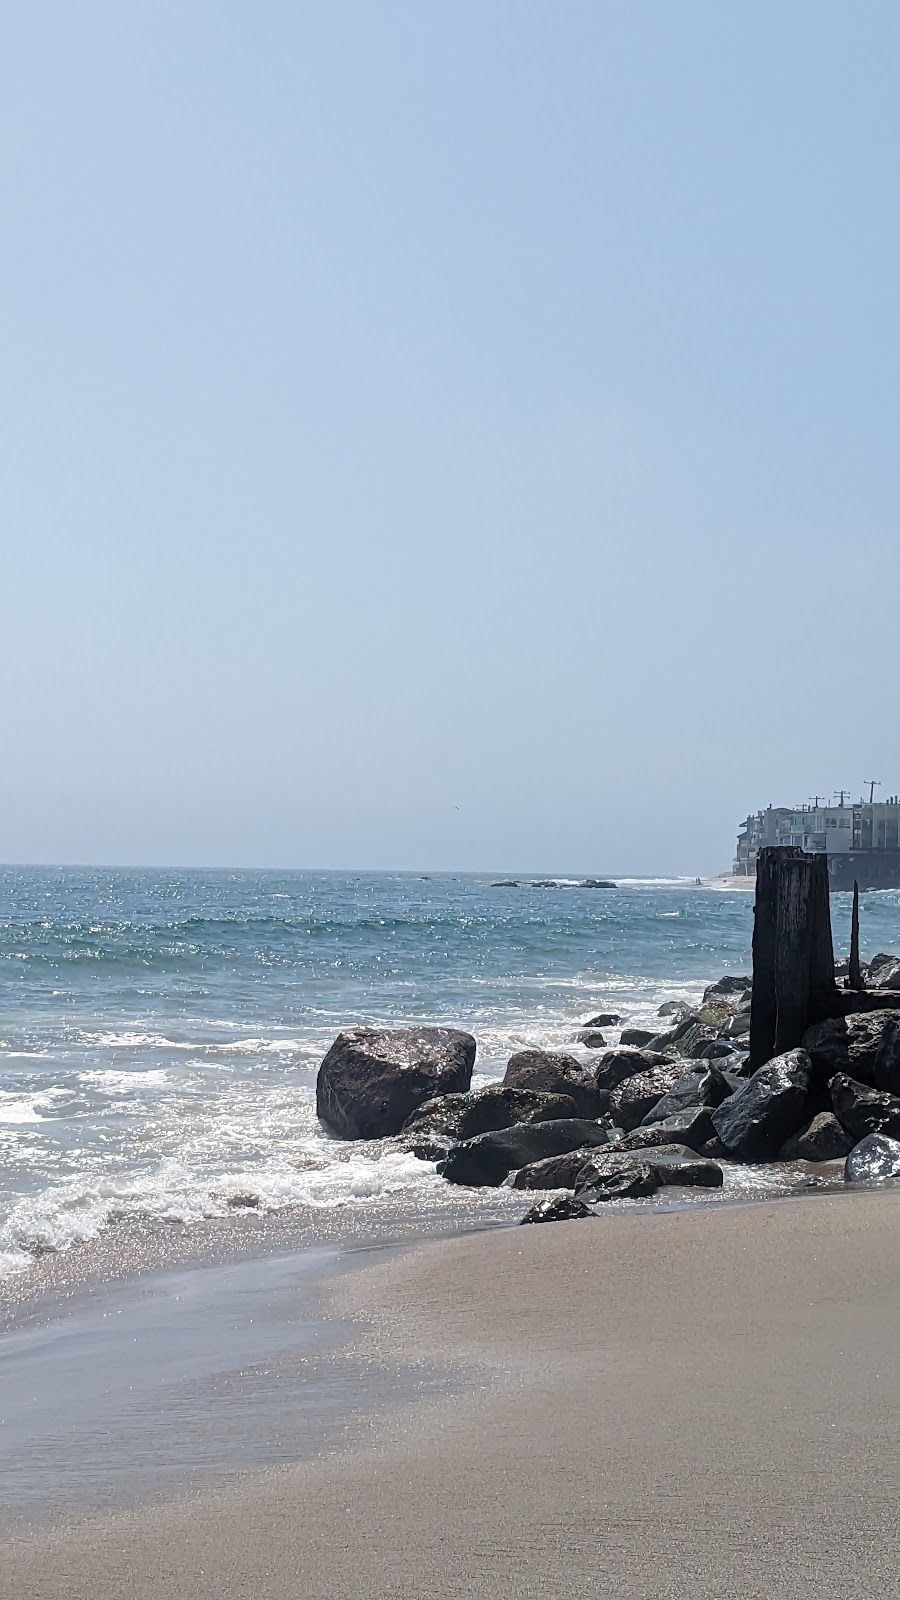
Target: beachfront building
point(861, 839)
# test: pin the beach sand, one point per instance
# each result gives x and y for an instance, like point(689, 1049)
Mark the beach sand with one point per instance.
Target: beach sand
point(699, 1404)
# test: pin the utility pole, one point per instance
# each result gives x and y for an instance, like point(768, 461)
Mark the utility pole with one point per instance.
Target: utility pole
point(874, 783)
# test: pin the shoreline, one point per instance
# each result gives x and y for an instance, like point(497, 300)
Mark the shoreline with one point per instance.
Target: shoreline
point(580, 1409)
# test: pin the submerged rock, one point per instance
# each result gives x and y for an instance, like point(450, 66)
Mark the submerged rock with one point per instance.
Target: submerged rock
point(605, 1019)
point(754, 1122)
point(486, 1160)
point(876, 1157)
point(591, 1039)
point(822, 1139)
point(630, 1102)
point(562, 1208)
point(639, 1037)
point(862, 1110)
point(373, 1078)
point(551, 1072)
point(463, 1116)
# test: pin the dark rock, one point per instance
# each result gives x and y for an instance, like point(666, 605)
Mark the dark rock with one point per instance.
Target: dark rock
point(486, 1161)
point(544, 883)
point(887, 1056)
point(675, 1164)
point(822, 1139)
point(706, 1087)
point(738, 1027)
point(713, 1148)
point(242, 1202)
point(693, 1040)
point(873, 1159)
point(429, 1146)
point(463, 1116)
point(563, 1208)
point(553, 1073)
point(636, 1036)
point(721, 1050)
point(883, 972)
point(755, 1122)
point(373, 1078)
point(591, 1039)
point(615, 1179)
point(675, 1009)
point(625, 1062)
point(847, 1044)
point(728, 987)
point(555, 1172)
point(692, 1128)
point(595, 883)
point(862, 1110)
point(630, 1102)
point(606, 1019)
point(505, 883)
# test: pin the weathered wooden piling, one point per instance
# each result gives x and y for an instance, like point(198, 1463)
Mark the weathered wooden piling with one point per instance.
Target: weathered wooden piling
point(793, 953)
point(856, 977)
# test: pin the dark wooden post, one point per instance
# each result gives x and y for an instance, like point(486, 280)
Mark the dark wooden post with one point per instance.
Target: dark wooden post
point(792, 948)
point(856, 977)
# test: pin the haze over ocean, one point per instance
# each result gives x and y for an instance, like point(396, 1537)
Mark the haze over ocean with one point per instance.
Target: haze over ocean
point(454, 437)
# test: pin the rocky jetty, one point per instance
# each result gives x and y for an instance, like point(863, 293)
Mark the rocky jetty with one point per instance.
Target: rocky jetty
point(665, 1108)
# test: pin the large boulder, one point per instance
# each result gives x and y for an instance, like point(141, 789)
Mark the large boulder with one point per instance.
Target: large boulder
point(694, 1039)
point(550, 1072)
point(626, 1062)
point(630, 1102)
point(486, 1161)
point(754, 1123)
point(464, 1116)
point(873, 1159)
point(883, 972)
point(676, 1164)
point(847, 1044)
point(591, 1038)
point(733, 986)
point(822, 1139)
point(638, 1037)
point(703, 1086)
point(373, 1078)
point(863, 1110)
point(558, 1208)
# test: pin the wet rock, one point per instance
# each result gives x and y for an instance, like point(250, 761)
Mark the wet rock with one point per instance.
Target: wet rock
point(633, 1098)
point(243, 1202)
point(754, 1123)
point(596, 883)
point(822, 1139)
point(615, 1179)
point(738, 1027)
point(722, 1051)
point(705, 1086)
point(626, 1062)
point(676, 1009)
point(506, 883)
point(605, 1019)
point(372, 1079)
point(848, 1044)
point(555, 1172)
point(863, 1110)
point(551, 1072)
point(562, 1208)
point(486, 1161)
point(638, 1037)
point(732, 986)
point(691, 1043)
point(676, 1164)
point(463, 1116)
point(713, 1148)
point(692, 1128)
point(429, 1146)
point(876, 1157)
point(591, 1039)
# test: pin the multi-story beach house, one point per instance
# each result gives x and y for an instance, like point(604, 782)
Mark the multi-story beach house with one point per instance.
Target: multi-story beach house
point(861, 839)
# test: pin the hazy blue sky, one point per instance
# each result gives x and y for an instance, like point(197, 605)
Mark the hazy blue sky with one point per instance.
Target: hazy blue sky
point(418, 406)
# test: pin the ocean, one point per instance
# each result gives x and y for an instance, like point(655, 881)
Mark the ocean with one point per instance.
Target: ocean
point(160, 1031)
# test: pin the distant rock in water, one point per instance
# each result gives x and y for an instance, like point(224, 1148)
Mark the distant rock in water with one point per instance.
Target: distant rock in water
point(596, 883)
point(506, 883)
point(372, 1079)
point(604, 1019)
point(544, 883)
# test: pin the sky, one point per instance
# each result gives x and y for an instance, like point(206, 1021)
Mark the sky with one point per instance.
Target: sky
point(444, 435)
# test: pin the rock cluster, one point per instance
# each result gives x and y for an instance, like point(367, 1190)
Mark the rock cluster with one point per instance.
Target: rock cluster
point(657, 1109)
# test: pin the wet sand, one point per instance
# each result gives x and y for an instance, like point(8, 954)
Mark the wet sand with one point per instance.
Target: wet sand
point(692, 1403)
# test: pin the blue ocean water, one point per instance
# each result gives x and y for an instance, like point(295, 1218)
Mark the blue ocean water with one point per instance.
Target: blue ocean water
point(160, 1032)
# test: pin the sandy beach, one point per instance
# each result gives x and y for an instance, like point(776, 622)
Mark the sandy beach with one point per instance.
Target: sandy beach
point(691, 1403)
